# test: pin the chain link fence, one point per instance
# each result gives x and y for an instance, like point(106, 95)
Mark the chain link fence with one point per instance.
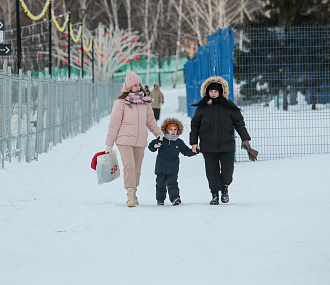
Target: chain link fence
point(282, 85)
point(38, 113)
point(279, 77)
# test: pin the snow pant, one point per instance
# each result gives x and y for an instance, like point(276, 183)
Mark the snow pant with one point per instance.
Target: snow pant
point(219, 167)
point(169, 181)
point(156, 113)
point(132, 158)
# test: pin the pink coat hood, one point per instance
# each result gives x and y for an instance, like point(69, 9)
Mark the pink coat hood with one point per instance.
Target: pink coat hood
point(130, 125)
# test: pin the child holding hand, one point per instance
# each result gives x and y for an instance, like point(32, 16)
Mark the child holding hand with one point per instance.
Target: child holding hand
point(167, 162)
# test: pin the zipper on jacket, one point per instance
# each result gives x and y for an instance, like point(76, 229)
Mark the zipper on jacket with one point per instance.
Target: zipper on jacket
point(137, 137)
point(218, 126)
point(169, 142)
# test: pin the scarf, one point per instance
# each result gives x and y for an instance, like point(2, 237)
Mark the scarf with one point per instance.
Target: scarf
point(136, 98)
point(171, 137)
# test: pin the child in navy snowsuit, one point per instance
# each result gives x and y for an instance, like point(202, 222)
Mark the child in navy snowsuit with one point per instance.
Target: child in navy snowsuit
point(167, 162)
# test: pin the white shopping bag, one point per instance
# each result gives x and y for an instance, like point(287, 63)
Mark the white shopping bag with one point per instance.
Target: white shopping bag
point(107, 167)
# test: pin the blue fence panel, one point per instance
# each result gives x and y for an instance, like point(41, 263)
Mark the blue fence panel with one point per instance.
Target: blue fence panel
point(215, 59)
point(213, 47)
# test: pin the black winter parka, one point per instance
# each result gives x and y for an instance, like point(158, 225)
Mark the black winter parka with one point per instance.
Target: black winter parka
point(168, 161)
point(214, 126)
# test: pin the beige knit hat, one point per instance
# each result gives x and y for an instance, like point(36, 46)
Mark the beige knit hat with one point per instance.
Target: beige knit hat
point(130, 80)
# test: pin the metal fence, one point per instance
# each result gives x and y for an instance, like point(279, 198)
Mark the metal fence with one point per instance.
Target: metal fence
point(216, 58)
point(281, 82)
point(36, 114)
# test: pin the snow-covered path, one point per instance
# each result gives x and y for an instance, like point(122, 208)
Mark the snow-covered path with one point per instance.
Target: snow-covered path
point(59, 227)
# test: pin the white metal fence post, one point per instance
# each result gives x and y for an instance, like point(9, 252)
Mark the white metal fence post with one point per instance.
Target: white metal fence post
point(48, 115)
point(55, 115)
point(28, 119)
point(3, 115)
point(19, 130)
point(39, 116)
point(9, 97)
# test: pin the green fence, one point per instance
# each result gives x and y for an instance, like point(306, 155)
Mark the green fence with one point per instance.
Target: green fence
point(161, 71)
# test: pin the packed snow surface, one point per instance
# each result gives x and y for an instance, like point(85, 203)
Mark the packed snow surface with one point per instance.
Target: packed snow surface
point(58, 227)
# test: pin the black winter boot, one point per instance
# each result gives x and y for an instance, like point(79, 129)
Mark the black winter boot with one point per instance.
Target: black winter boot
point(176, 201)
point(224, 195)
point(215, 199)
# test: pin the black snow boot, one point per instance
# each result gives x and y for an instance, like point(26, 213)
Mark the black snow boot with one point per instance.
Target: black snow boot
point(215, 199)
point(224, 195)
point(176, 201)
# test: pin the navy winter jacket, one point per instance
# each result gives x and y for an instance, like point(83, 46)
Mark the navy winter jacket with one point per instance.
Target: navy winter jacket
point(168, 161)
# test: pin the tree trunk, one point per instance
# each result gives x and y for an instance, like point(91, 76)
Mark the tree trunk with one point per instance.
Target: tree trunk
point(148, 67)
point(210, 17)
point(129, 20)
point(114, 7)
point(178, 46)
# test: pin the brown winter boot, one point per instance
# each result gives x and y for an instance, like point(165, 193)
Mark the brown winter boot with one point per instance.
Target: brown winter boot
point(135, 198)
point(131, 197)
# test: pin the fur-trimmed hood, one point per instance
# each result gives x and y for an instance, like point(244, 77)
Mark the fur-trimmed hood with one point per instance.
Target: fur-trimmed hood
point(215, 79)
point(222, 99)
point(172, 120)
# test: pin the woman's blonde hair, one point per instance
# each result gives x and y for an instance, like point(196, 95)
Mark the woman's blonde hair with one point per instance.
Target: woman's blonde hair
point(124, 94)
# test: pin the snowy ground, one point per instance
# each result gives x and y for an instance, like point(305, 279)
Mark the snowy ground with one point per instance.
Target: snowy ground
point(59, 227)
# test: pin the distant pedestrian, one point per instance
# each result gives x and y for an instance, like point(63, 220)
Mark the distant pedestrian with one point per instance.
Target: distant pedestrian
point(167, 161)
point(146, 88)
point(213, 125)
point(157, 100)
point(130, 120)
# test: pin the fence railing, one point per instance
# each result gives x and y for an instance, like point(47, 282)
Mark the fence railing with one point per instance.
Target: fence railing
point(216, 58)
point(281, 82)
point(36, 114)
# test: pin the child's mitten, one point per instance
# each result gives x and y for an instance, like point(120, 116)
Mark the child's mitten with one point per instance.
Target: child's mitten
point(157, 145)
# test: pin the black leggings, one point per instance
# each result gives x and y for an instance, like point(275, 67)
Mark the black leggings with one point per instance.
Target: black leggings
point(219, 167)
point(156, 113)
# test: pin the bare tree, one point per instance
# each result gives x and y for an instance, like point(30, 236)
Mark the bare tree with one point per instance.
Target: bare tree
point(112, 11)
point(127, 4)
point(178, 44)
point(205, 17)
point(190, 15)
point(8, 8)
point(162, 24)
point(113, 48)
point(149, 29)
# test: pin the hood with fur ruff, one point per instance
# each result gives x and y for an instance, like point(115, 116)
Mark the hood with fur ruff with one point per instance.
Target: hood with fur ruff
point(215, 79)
point(172, 120)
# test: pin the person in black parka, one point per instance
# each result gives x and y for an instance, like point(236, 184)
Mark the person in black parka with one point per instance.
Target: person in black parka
point(167, 162)
point(213, 124)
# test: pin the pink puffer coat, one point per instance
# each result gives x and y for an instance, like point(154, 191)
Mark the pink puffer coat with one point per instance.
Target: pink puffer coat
point(129, 125)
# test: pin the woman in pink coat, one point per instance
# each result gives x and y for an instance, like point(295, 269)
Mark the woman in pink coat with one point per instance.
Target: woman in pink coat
point(130, 120)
